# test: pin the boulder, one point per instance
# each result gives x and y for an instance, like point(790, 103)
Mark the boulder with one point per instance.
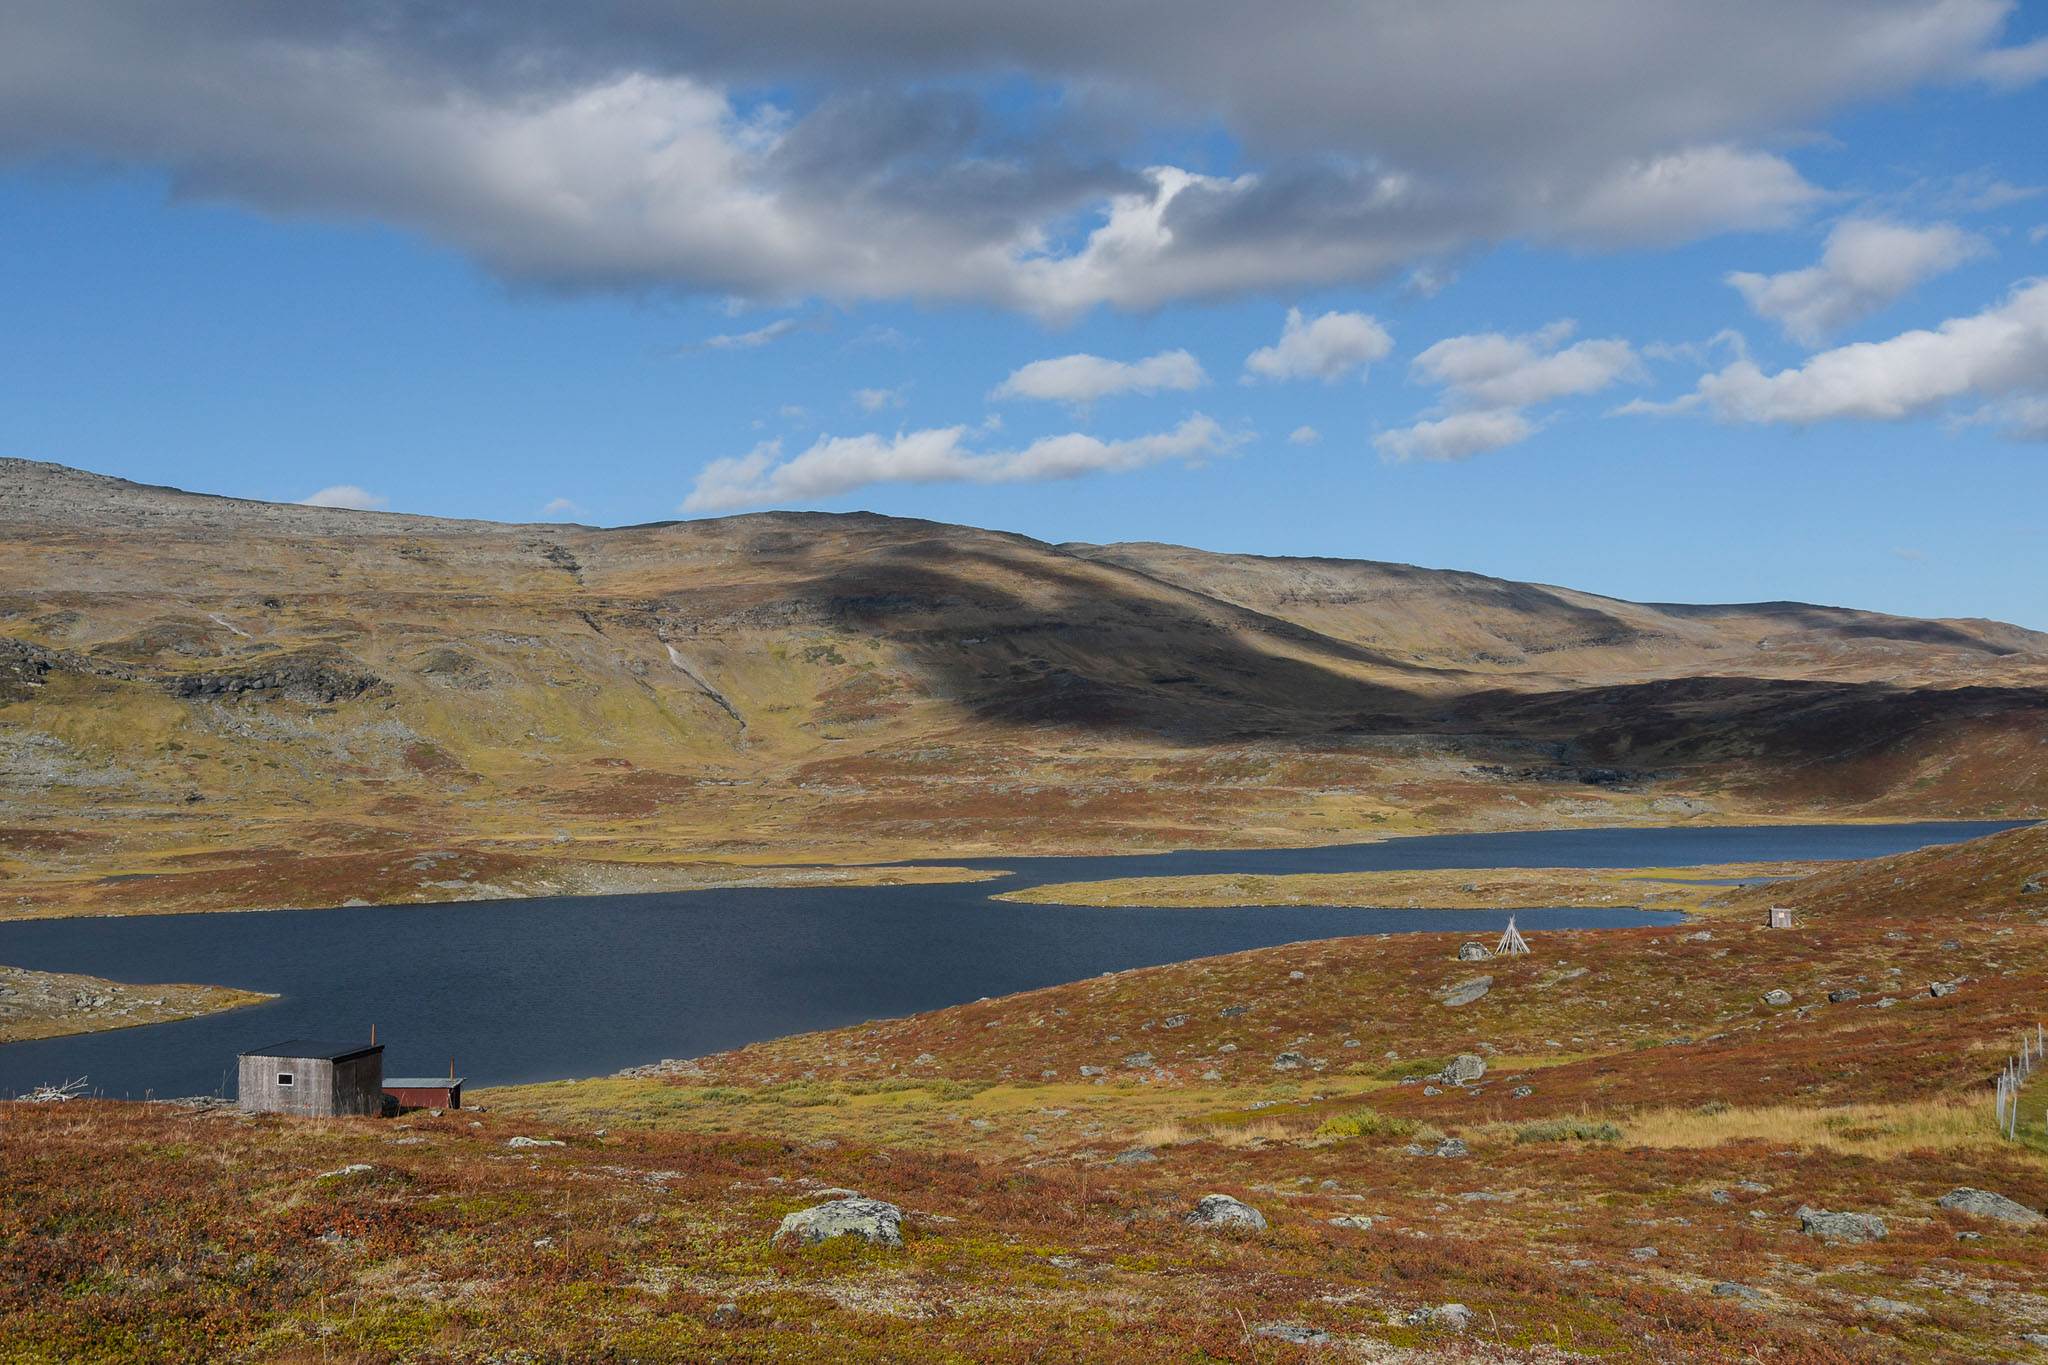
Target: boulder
point(1778, 999)
point(1465, 992)
point(1298, 1333)
point(1941, 988)
point(1984, 1204)
point(1452, 1147)
point(1728, 1289)
point(877, 1221)
point(1359, 1221)
point(1138, 1059)
point(1452, 1315)
point(1837, 997)
point(1473, 952)
point(533, 1142)
point(1221, 1211)
point(1841, 1227)
point(1468, 1068)
point(1289, 1061)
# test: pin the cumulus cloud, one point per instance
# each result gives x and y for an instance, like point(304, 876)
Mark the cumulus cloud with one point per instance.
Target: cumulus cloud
point(874, 400)
point(1866, 264)
point(556, 508)
point(1304, 436)
point(1084, 379)
point(1326, 348)
point(1489, 379)
point(1999, 355)
point(813, 148)
point(349, 497)
point(840, 464)
point(1456, 437)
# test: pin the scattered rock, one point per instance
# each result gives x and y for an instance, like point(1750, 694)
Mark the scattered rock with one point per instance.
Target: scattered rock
point(2035, 1338)
point(1837, 997)
point(1289, 1061)
point(1094, 1070)
point(1642, 1253)
point(877, 1221)
point(1432, 1090)
point(1473, 952)
point(533, 1142)
point(1465, 992)
point(360, 1168)
point(1841, 1227)
point(2034, 886)
point(1359, 1221)
point(1728, 1289)
point(1950, 945)
point(1452, 1315)
point(835, 1193)
point(1984, 1204)
point(1138, 1059)
point(1298, 1333)
point(923, 1059)
point(1222, 1211)
point(1468, 1068)
point(1452, 1147)
point(1703, 936)
point(1941, 988)
point(1137, 1156)
point(1231, 1011)
point(725, 1315)
point(1522, 1092)
point(1894, 1308)
point(1173, 1021)
point(1778, 999)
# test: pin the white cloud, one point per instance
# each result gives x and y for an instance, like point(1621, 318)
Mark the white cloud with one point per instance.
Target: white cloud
point(659, 147)
point(2000, 353)
point(1683, 194)
point(1326, 348)
point(1086, 378)
point(1488, 380)
point(762, 336)
point(1456, 437)
point(840, 464)
point(349, 497)
point(1866, 264)
point(1304, 436)
point(561, 507)
point(1489, 370)
point(874, 400)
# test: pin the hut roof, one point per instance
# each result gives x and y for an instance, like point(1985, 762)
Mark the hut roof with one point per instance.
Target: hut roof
point(423, 1082)
point(306, 1047)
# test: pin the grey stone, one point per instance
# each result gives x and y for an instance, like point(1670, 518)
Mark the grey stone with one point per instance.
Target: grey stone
point(1468, 1068)
point(1837, 997)
point(2035, 1338)
point(1465, 992)
point(1728, 1289)
point(1289, 1061)
point(1522, 1092)
point(1984, 1204)
point(1950, 945)
point(1779, 998)
point(1473, 952)
point(1138, 1059)
point(1432, 1090)
point(2034, 886)
point(873, 1219)
point(1137, 1156)
point(1298, 1333)
point(1094, 1070)
point(1452, 1315)
point(1222, 1211)
point(1173, 1021)
point(1231, 1011)
point(1359, 1221)
point(1941, 988)
point(1841, 1227)
point(1452, 1147)
point(1642, 1253)
point(1894, 1308)
point(725, 1315)
point(533, 1142)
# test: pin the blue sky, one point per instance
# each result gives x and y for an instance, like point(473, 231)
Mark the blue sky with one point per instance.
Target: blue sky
point(1650, 303)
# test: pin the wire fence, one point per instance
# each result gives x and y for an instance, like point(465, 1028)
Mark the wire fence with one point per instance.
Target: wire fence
point(2013, 1078)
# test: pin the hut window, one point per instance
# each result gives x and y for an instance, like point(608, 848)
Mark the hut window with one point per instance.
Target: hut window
point(284, 1078)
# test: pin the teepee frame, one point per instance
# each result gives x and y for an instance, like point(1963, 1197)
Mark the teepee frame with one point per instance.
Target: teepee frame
point(1511, 941)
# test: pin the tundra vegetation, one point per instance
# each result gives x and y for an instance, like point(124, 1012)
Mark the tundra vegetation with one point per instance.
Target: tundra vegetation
point(1654, 1164)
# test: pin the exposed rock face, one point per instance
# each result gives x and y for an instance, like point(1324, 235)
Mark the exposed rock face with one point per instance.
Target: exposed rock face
point(1465, 992)
point(1841, 1227)
point(1984, 1204)
point(323, 679)
point(1468, 1068)
point(1222, 1211)
point(875, 1220)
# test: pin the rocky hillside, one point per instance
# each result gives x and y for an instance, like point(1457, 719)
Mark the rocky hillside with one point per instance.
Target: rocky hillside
point(249, 703)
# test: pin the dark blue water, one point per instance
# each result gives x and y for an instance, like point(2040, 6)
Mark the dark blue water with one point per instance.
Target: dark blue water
point(516, 991)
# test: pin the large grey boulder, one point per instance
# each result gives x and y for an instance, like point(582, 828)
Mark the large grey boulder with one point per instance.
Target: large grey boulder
point(1473, 952)
point(1468, 1068)
point(1221, 1211)
point(1984, 1204)
point(1841, 1227)
point(874, 1219)
point(1778, 999)
point(1465, 992)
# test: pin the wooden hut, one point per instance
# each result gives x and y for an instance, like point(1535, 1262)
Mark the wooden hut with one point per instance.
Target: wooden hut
point(425, 1092)
point(313, 1080)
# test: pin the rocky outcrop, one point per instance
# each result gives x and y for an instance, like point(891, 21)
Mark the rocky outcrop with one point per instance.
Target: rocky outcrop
point(1841, 1227)
point(873, 1220)
point(322, 679)
point(1468, 1068)
point(1465, 992)
point(1219, 1211)
point(1984, 1204)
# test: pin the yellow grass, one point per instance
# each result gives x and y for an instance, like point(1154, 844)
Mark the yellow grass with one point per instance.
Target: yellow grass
point(1878, 1130)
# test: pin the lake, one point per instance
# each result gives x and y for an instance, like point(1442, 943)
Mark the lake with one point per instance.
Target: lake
point(530, 990)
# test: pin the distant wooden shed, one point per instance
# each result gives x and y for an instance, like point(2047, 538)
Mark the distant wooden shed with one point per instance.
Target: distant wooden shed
point(313, 1080)
point(425, 1092)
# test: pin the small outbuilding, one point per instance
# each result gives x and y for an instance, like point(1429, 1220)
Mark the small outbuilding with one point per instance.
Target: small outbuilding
point(1782, 918)
point(312, 1080)
point(425, 1092)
